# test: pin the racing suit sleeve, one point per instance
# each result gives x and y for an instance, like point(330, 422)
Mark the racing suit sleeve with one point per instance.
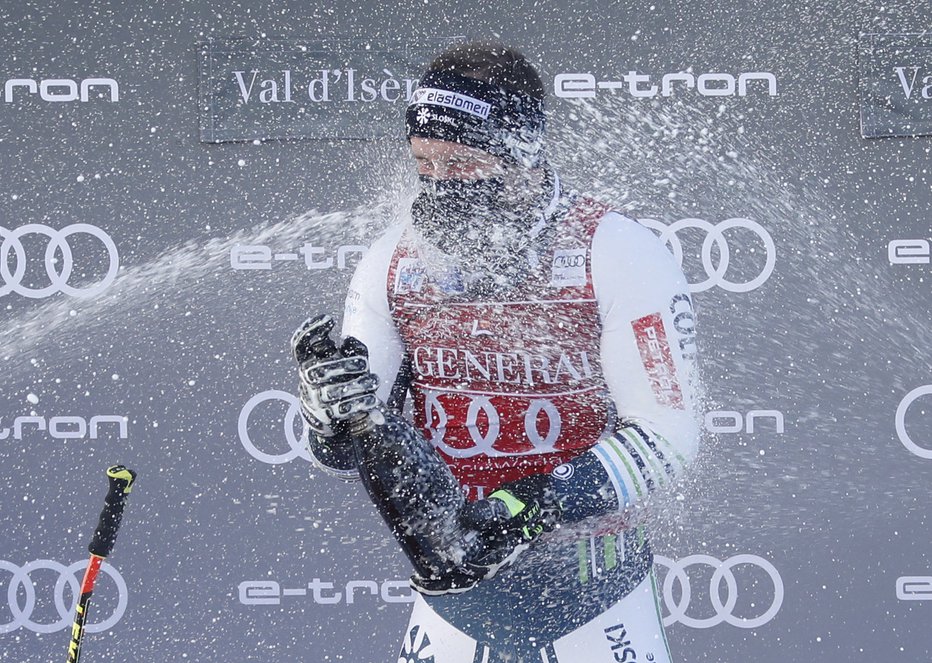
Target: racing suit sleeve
point(648, 356)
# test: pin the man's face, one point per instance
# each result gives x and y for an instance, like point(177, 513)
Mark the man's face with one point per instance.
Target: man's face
point(444, 160)
point(475, 206)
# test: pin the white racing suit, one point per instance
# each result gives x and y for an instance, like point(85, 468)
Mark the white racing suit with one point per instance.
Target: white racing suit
point(592, 353)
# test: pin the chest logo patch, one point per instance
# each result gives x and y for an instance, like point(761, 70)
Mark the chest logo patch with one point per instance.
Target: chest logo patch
point(569, 268)
point(410, 277)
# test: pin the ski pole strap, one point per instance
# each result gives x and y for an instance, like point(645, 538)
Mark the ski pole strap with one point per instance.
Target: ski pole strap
point(121, 483)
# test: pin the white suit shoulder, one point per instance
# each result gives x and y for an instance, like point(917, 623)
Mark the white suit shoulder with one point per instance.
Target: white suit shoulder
point(629, 259)
point(366, 315)
point(638, 284)
point(371, 275)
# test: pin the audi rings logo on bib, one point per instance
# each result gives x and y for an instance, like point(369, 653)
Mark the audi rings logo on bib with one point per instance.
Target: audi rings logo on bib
point(753, 590)
point(59, 271)
point(297, 445)
point(900, 420)
point(716, 275)
point(28, 603)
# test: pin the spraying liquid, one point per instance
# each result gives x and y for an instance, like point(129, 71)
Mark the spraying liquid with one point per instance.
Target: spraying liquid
point(670, 162)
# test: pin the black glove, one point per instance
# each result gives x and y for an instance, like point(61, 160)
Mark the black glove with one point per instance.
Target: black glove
point(336, 384)
point(531, 508)
point(499, 528)
point(336, 390)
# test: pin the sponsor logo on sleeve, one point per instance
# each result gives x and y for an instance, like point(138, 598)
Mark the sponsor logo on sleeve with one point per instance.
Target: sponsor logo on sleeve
point(352, 304)
point(658, 360)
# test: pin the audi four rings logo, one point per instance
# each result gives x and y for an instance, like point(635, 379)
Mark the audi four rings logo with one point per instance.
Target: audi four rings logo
point(907, 441)
point(715, 237)
point(677, 573)
point(298, 446)
point(58, 241)
point(23, 615)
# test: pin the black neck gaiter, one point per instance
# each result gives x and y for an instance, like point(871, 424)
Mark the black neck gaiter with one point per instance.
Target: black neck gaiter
point(475, 222)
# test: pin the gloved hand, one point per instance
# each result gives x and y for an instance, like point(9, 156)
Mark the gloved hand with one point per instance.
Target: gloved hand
point(336, 392)
point(335, 383)
point(497, 530)
point(530, 508)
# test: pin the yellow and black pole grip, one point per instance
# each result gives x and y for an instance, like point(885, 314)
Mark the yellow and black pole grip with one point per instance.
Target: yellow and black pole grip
point(121, 483)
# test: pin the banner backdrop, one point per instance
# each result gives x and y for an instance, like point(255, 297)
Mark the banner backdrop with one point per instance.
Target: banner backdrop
point(286, 88)
point(896, 85)
point(175, 202)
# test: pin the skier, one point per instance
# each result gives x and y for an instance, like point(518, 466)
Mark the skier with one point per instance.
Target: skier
point(548, 343)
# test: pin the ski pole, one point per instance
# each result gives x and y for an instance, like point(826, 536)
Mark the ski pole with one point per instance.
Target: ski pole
point(121, 483)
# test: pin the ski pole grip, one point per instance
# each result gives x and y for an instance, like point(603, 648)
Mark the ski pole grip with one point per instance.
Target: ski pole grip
point(121, 483)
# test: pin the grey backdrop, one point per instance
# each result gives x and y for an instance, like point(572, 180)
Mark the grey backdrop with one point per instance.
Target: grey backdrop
point(824, 485)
